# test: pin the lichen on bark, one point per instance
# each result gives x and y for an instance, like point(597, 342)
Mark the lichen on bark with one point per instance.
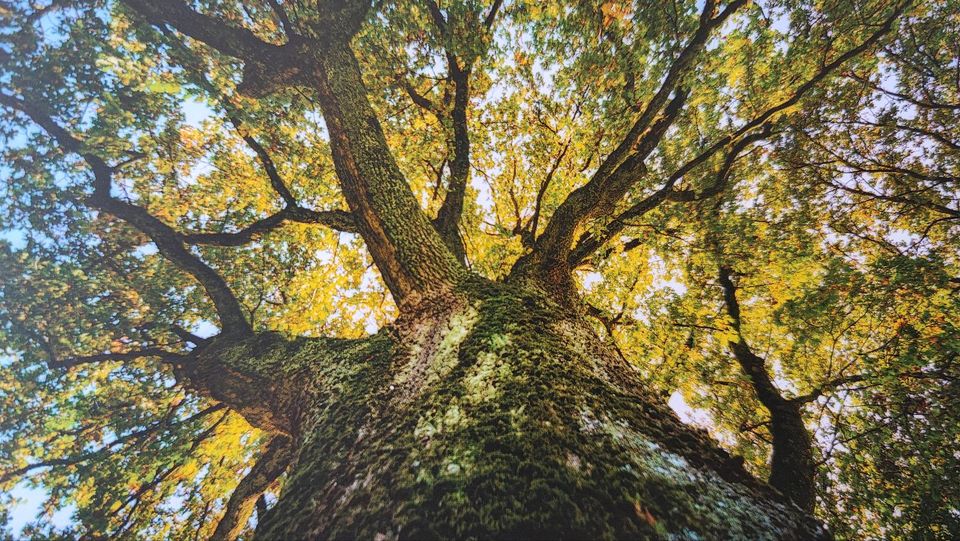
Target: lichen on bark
point(498, 414)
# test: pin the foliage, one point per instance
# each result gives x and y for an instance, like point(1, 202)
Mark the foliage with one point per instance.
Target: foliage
point(814, 155)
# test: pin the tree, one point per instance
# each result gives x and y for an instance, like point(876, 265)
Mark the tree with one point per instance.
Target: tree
point(428, 269)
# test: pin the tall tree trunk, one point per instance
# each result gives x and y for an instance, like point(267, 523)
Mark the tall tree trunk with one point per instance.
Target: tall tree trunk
point(496, 414)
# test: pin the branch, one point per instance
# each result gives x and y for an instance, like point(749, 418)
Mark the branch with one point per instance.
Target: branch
point(261, 507)
point(282, 17)
point(271, 464)
point(753, 365)
point(267, 162)
point(792, 470)
point(448, 217)
point(624, 165)
point(234, 41)
point(191, 60)
point(437, 16)
point(340, 220)
point(677, 70)
point(833, 384)
point(609, 322)
point(168, 241)
point(822, 74)
point(292, 211)
point(54, 5)
point(459, 70)
point(538, 203)
point(418, 98)
point(187, 336)
point(404, 244)
point(940, 137)
point(492, 14)
point(905, 97)
point(723, 175)
point(936, 207)
point(553, 248)
point(107, 449)
point(136, 498)
point(591, 242)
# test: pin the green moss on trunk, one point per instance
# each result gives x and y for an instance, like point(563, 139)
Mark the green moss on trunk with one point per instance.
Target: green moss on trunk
point(505, 418)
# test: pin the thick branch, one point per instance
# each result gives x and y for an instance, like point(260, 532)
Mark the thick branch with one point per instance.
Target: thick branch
point(792, 470)
point(409, 252)
point(214, 31)
point(406, 247)
point(339, 220)
point(448, 217)
point(591, 244)
point(270, 466)
point(292, 211)
point(552, 249)
point(170, 245)
point(680, 66)
point(459, 70)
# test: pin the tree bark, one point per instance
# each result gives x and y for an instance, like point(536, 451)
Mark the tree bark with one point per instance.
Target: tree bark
point(496, 414)
point(410, 254)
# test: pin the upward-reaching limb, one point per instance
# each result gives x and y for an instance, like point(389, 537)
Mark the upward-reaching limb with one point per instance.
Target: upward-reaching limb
point(459, 71)
point(793, 469)
point(732, 144)
point(625, 165)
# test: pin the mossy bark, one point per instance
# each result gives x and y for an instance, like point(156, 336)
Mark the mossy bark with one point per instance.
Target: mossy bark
point(498, 414)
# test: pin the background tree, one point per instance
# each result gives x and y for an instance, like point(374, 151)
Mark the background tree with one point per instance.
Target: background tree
point(420, 269)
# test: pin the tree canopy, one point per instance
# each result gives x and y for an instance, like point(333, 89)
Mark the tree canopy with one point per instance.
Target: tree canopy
point(759, 202)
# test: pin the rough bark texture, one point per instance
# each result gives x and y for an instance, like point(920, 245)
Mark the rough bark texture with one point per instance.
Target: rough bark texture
point(409, 253)
point(487, 410)
point(497, 414)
